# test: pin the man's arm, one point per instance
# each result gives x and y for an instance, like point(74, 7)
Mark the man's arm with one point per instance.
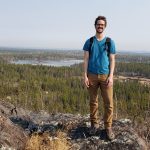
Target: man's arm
point(112, 67)
point(85, 66)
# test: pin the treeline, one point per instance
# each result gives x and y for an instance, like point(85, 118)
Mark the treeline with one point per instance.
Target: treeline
point(133, 58)
point(133, 69)
point(40, 54)
point(60, 89)
point(44, 54)
point(128, 69)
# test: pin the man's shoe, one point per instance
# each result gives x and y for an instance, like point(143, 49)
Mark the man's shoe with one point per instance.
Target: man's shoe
point(110, 134)
point(93, 129)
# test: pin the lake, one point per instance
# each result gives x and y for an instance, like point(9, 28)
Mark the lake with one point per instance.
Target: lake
point(56, 63)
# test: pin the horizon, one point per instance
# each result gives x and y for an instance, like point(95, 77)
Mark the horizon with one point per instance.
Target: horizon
point(58, 49)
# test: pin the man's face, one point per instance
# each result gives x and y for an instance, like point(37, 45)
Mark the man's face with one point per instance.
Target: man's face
point(100, 26)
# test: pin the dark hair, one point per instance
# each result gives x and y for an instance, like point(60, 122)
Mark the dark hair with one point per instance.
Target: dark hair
point(101, 18)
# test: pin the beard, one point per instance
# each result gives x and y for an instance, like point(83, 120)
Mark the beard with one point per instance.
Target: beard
point(99, 30)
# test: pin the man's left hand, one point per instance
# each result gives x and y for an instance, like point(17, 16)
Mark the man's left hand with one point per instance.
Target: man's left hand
point(109, 81)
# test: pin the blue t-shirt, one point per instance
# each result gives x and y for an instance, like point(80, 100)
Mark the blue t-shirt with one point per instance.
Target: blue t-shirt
point(98, 60)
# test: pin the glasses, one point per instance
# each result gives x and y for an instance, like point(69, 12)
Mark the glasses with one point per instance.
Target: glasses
point(100, 24)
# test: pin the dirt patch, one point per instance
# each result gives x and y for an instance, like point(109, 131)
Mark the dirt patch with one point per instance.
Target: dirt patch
point(141, 80)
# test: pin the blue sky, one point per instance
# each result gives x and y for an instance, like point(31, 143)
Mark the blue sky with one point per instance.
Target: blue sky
point(66, 24)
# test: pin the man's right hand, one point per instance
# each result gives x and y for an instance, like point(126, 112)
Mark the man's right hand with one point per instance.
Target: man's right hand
point(86, 81)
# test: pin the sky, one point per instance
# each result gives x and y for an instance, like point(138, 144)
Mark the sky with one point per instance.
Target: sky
point(67, 24)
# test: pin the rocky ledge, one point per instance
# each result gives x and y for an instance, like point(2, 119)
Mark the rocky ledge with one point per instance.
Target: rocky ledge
point(21, 129)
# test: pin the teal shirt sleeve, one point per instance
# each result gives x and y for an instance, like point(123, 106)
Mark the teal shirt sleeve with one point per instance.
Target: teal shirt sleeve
point(112, 47)
point(86, 46)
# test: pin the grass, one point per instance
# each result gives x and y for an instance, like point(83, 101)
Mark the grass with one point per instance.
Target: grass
point(48, 142)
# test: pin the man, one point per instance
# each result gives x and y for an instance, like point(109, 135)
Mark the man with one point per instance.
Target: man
point(99, 64)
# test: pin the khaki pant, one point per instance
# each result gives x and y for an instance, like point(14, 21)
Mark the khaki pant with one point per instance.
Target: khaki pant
point(95, 82)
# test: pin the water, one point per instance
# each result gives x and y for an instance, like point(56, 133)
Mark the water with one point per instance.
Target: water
point(56, 63)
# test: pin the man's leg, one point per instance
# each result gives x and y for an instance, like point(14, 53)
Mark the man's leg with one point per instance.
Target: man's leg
point(107, 95)
point(93, 88)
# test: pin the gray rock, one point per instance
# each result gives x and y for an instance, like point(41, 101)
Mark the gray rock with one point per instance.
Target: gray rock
point(11, 135)
point(14, 129)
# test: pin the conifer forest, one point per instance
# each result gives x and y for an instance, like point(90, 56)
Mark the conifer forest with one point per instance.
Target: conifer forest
point(61, 89)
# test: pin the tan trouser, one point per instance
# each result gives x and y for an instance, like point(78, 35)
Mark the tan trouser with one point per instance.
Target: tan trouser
point(96, 81)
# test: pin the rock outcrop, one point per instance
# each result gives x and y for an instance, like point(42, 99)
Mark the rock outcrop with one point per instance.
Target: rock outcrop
point(18, 126)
